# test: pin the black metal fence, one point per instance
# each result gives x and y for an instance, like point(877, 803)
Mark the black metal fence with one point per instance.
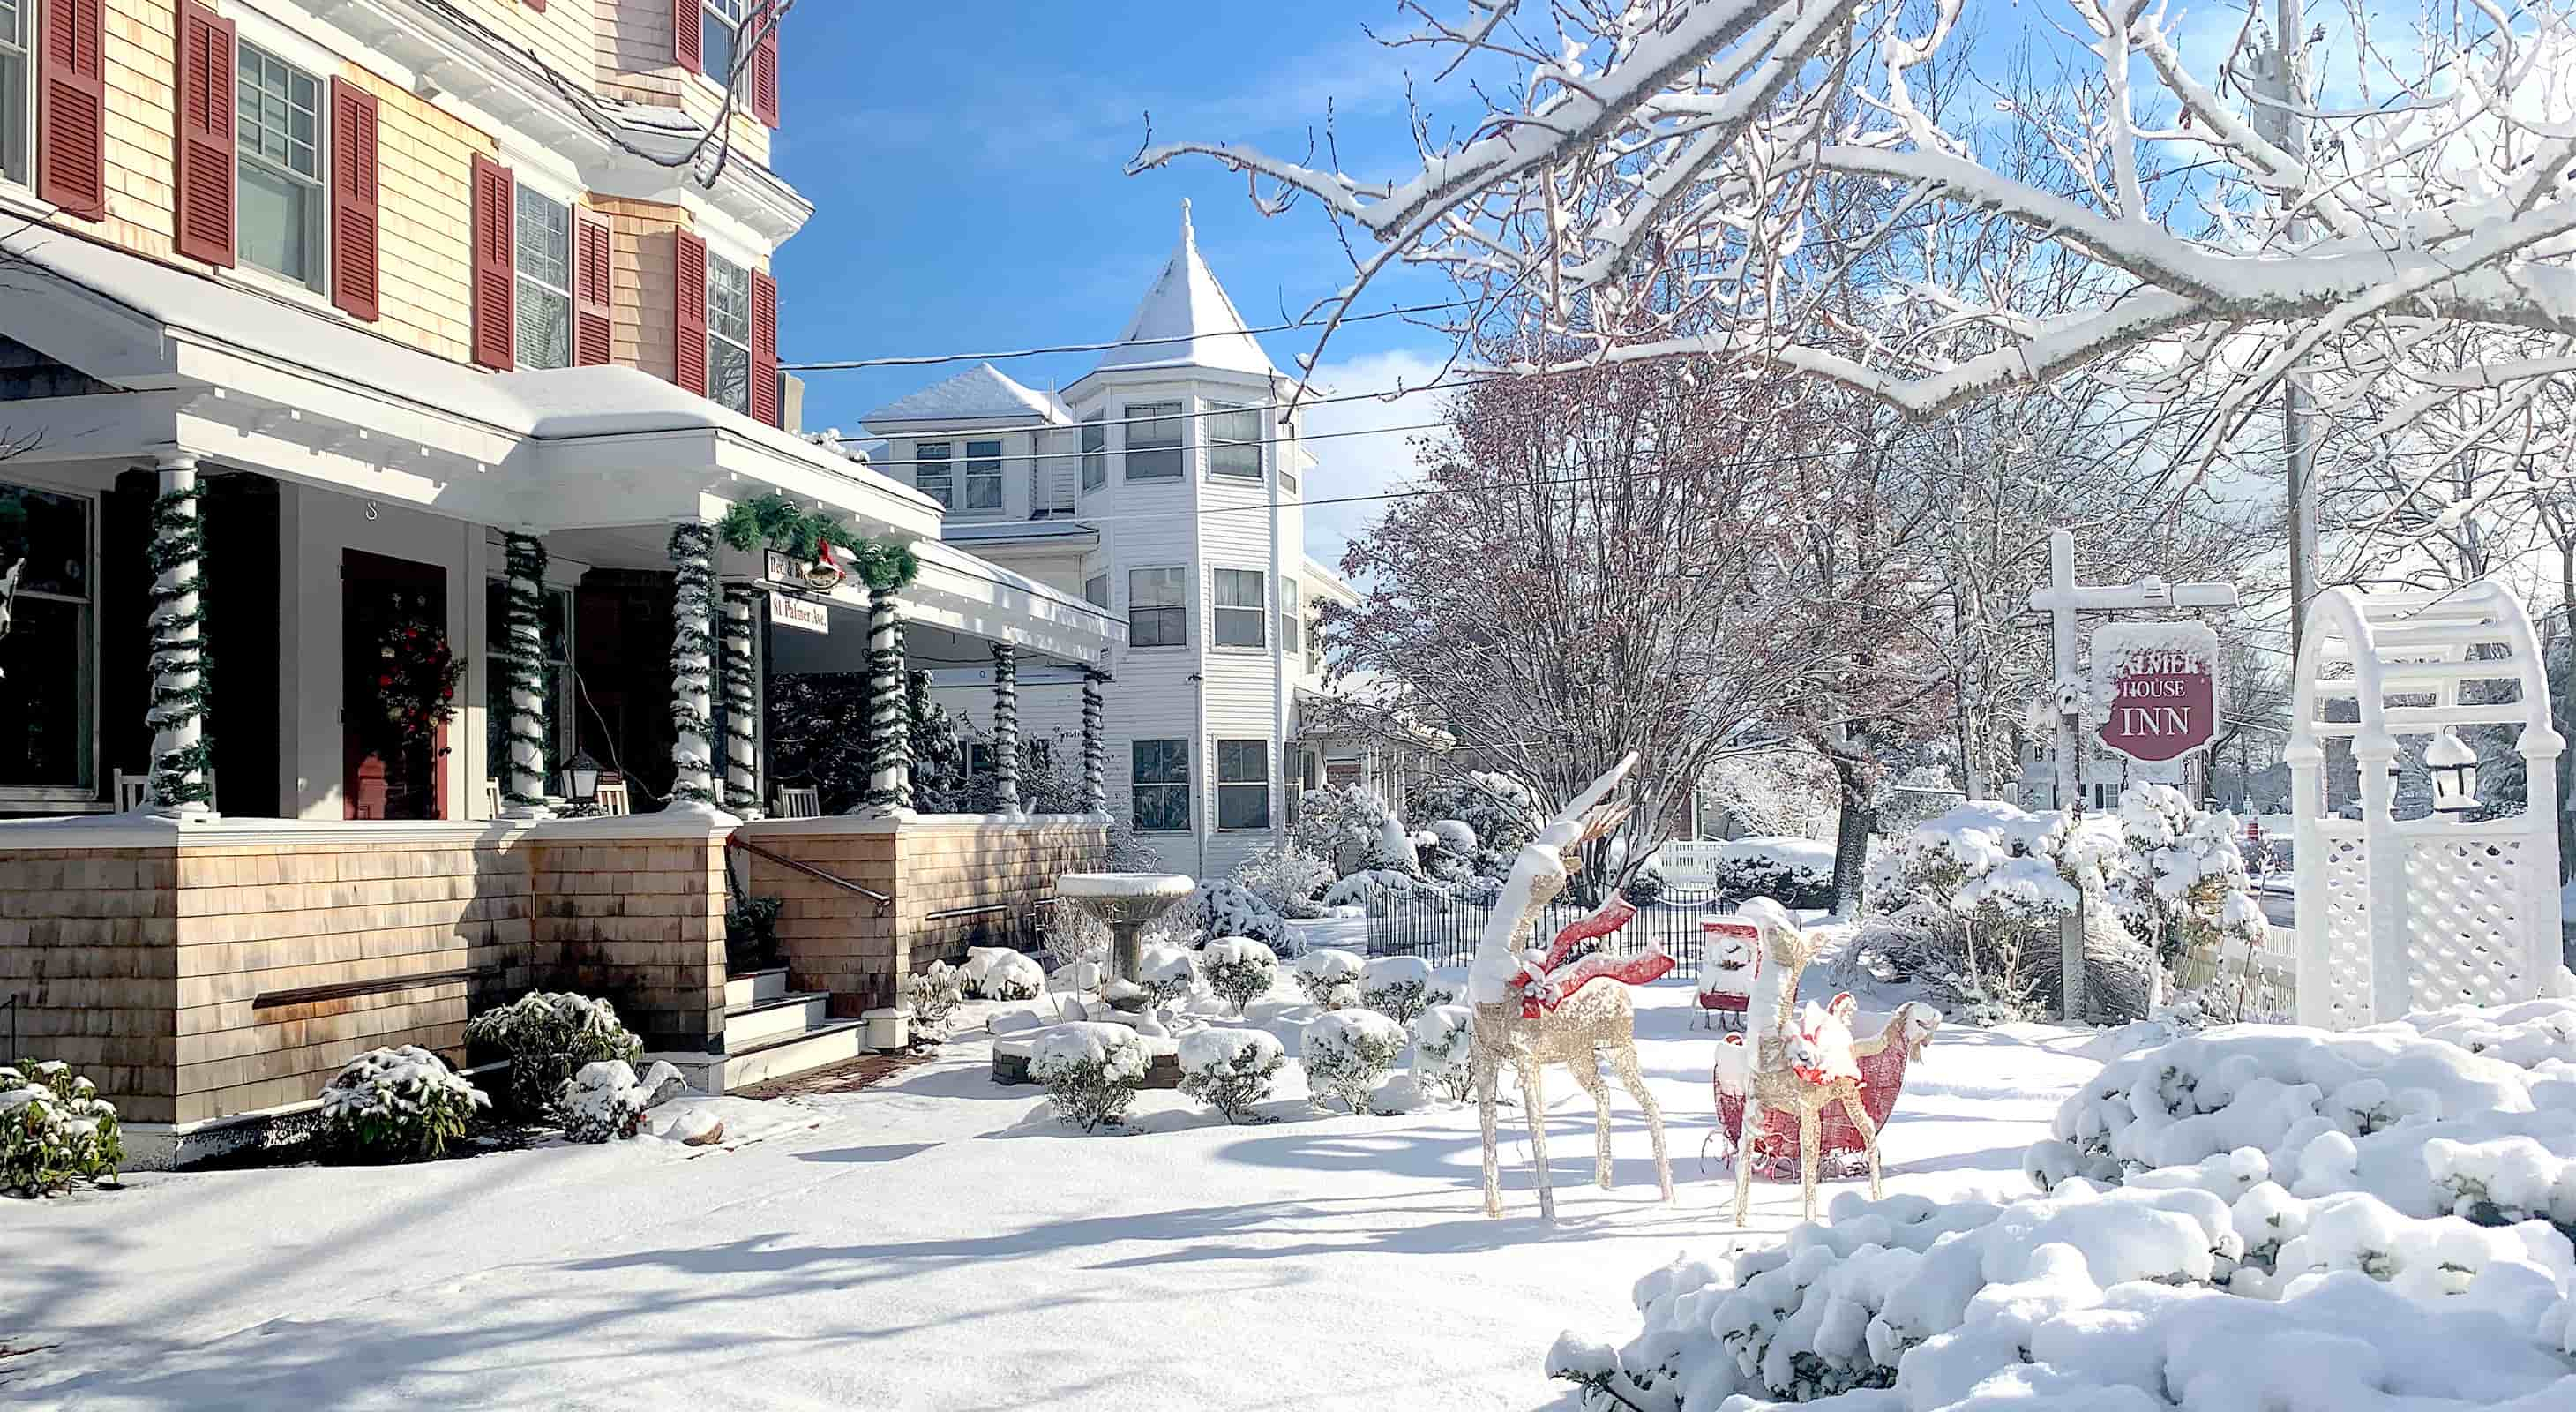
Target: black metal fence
point(1445, 933)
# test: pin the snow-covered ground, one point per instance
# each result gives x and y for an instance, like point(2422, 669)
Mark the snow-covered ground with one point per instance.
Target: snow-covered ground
point(936, 1243)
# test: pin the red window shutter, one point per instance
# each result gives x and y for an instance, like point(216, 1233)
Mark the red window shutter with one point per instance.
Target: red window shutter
point(537, 5)
point(354, 223)
point(495, 240)
point(764, 349)
point(764, 70)
point(71, 141)
point(685, 36)
point(593, 322)
point(689, 294)
point(203, 190)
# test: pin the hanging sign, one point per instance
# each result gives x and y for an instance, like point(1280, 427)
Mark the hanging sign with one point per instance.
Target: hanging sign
point(789, 611)
point(2155, 688)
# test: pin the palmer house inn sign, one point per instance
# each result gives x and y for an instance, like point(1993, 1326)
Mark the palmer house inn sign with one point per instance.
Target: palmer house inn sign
point(2155, 689)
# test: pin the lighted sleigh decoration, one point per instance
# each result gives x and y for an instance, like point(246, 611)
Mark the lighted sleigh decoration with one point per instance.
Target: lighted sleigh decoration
point(1821, 1093)
point(1730, 961)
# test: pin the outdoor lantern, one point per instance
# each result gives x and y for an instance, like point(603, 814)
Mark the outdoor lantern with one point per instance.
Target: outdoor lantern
point(2454, 767)
point(581, 779)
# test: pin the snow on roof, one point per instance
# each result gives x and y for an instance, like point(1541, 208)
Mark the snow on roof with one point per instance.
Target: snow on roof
point(1187, 303)
point(981, 393)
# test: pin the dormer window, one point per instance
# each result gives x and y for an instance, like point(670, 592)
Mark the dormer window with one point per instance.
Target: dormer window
point(933, 473)
point(983, 475)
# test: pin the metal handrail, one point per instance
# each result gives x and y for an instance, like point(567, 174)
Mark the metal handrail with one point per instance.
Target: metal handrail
point(796, 866)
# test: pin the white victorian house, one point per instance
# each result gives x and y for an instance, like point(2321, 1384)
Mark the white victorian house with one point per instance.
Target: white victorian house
point(1163, 486)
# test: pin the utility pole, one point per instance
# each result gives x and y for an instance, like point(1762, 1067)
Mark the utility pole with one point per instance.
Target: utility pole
point(2063, 599)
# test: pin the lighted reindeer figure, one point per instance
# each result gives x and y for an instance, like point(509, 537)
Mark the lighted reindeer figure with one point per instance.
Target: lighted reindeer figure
point(1533, 1010)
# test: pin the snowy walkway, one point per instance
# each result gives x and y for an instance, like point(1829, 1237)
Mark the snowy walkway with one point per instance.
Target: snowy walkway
point(938, 1244)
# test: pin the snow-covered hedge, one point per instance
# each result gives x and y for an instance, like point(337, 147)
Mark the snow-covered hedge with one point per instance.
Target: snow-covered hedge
point(1230, 1070)
point(1239, 969)
point(932, 994)
point(1399, 987)
point(1286, 878)
point(1091, 1071)
point(1000, 973)
point(604, 1102)
point(1224, 907)
point(1347, 1055)
point(1794, 872)
point(1443, 1051)
point(398, 1104)
point(54, 1130)
point(549, 1036)
point(1330, 976)
point(1167, 973)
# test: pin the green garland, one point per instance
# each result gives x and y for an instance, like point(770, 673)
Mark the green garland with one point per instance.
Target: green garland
point(523, 666)
point(889, 706)
point(692, 655)
point(772, 520)
point(734, 667)
point(178, 542)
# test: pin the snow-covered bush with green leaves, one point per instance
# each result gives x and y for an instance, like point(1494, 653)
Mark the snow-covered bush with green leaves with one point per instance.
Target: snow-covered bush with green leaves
point(1166, 973)
point(2184, 888)
point(1224, 907)
point(1239, 969)
point(1287, 878)
point(1230, 1069)
point(1499, 813)
point(549, 1036)
point(1091, 1070)
point(398, 1104)
point(933, 993)
point(1348, 1053)
point(1377, 888)
point(1444, 1051)
point(1330, 976)
point(1002, 973)
point(1399, 987)
point(604, 1102)
point(1345, 826)
point(55, 1130)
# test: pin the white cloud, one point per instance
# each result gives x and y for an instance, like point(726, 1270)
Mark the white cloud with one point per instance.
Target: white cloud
point(1363, 465)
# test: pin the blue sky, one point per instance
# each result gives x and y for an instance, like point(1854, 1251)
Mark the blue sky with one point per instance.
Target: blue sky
point(965, 158)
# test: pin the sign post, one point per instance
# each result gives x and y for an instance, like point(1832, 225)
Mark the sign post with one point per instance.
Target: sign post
point(2063, 598)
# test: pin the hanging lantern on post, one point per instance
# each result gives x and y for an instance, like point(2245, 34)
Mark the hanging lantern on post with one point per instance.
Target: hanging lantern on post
point(2454, 767)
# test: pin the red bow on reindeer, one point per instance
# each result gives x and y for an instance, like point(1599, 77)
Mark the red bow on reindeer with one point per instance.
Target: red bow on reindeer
point(1545, 982)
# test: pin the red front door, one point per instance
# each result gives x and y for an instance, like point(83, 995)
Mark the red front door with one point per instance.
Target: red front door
point(384, 774)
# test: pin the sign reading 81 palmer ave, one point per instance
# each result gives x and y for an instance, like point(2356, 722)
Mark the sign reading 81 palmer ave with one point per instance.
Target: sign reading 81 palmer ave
point(2155, 688)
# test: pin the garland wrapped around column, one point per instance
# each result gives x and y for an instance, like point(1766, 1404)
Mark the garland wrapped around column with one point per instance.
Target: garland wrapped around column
point(1095, 749)
point(523, 668)
point(742, 765)
point(693, 664)
point(889, 710)
point(181, 754)
point(1006, 728)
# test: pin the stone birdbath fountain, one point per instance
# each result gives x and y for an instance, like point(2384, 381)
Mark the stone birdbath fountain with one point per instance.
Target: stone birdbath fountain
point(1128, 903)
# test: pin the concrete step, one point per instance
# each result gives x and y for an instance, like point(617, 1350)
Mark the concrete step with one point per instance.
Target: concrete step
point(831, 1043)
point(752, 987)
point(747, 1026)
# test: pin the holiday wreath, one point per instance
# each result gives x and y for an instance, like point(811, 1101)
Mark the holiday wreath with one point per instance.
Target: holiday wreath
point(416, 674)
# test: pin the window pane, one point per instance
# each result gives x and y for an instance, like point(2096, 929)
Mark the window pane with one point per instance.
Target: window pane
point(1239, 627)
point(1234, 443)
point(1156, 587)
point(15, 106)
point(729, 374)
point(545, 239)
point(931, 472)
point(728, 300)
point(1095, 590)
point(44, 670)
point(1243, 806)
point(983, 475)
point(715, 40)
point(1238, 588)
point(276, 214)
point(545, 326)
point(1154, 442)
point(1095, 443)
point(1242, 761)
point(50, 533)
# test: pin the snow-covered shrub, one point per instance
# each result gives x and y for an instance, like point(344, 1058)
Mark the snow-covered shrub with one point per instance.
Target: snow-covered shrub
point(1239, 969)
point(1001, 973)
point(1399, 987)
point(1499, 813)
point(933, 994)
point(1286, 878)
point(1166, 973)
point(1795, 873)
point(1330, 976)
point(2184, 888)
point(604, 1102)
point(1223, 907)
point(398, 1104)
point(54, 1130)
point(1091, 1071)
point(1345, 826)
point(1230, 1070)
point(1376, 888)
point(549, 1035)
point(1444, 1051)
point(1347, 1055)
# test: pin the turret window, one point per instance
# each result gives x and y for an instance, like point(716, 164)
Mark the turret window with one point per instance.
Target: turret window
point(1153, 440)
point(1234, 441)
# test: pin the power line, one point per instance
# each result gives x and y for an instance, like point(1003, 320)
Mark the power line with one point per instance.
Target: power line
point(931, 359)
point(955, 461)
point(1444, 385)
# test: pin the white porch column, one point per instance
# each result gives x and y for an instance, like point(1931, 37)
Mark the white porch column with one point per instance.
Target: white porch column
point(692, 665)
point(889, 707)
point(523, 663)
point(742, 762)
point(1095, 750)
point(1006, 728)
point(180, 756)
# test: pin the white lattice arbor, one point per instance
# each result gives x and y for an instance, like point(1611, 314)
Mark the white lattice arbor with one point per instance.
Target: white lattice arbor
point(2412, 914)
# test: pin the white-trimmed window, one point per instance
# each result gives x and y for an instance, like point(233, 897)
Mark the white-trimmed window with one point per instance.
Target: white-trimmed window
point(1095, 590)
point(1158, 791)
point(18, 91)
point(934, 471)
point(1243, 784)
point(544, 295)
point(983, 476)
point(1095, 450)
point(48, 662)
point(281, 205)
point(1158, 607)
point(1154, 439)
point(1234, 440)
point(719, 34)
point(728, 333)
point(1288, 617)
point(1239, 608)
